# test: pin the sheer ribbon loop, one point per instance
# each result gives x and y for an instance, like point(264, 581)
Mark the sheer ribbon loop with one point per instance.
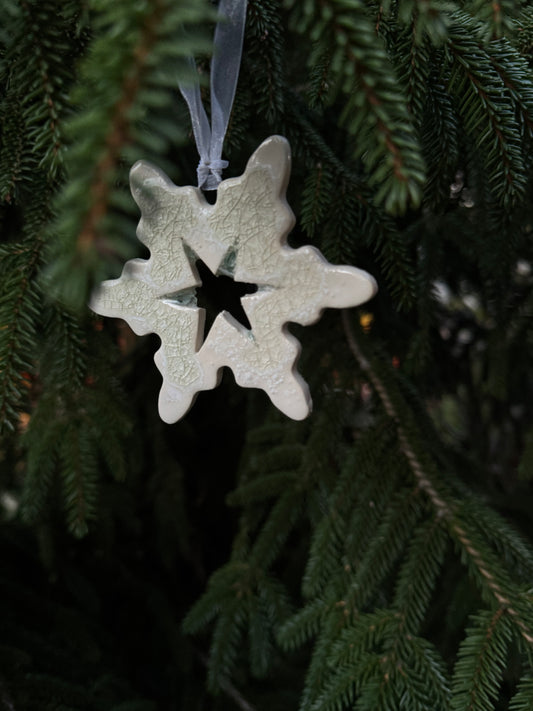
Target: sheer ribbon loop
point(227, 51)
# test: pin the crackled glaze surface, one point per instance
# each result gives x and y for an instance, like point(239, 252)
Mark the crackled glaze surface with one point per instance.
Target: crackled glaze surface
point(242, 235)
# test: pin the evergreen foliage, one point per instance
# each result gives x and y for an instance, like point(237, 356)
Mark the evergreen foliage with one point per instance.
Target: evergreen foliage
point(377, 556)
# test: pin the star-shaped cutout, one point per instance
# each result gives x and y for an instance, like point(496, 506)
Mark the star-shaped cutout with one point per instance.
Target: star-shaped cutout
point(243, 235)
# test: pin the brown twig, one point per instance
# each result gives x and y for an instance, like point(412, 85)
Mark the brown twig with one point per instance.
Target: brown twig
point(119, 133)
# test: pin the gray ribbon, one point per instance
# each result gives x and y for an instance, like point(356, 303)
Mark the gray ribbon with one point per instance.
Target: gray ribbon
point(227, 51)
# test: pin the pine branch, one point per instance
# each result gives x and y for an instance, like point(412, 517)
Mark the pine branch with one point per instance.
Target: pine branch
point(319, 671)
point(515, 75)
point(320, 81)
point(426, 20)
point(77, 428)
point(230, 690)
point(418, 574)
point(125, 112)
point(385, 667)
point(17, 164)
point(340, 693)
point(483, 105)
point(391, 536)
point(240, 599)
point(118, 129)
point(303, 625)
point(444, 509)
point(276, 529)
point(40, 62)
point(375, 110)
point(505, 540)
point(481, 660)
point(47, 88)
point(267, 486)
point(367, 632)
point(364, 493)
point(524, 31)
point(264, 36)
point(20, 298)
point(439, 137)
point(376, 495)
point(226, 641)
point(374, 226)
point(415, 62)
point(79, 475)
point(496, 17)
point(523, 699)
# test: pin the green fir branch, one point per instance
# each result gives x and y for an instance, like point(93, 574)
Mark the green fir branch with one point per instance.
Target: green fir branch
point(241, 601)
point(366, 659)
point(481, 661)
point(507, 542)
point(356, 506)
point(276, 529)
point(122, 117)
point(440, 143)
point(264, 36)
point(319, 670)
point(367, 633)
point(77, 429)
point(20, 310)
point(375, 112)
point(524, 31)
point(496, 18)
point(41, 62)
point(303, 625)
point(265, 487)
point(320, 81)
point(515, 75)
point(523, 699)
point(488, 118)
point(375, 228)
point(390, 538)
point(212, 601)
point(415, 62)
point(18, 163)
point(226, 640)
point(426, 20)
point(419, 573)
point(484, 566)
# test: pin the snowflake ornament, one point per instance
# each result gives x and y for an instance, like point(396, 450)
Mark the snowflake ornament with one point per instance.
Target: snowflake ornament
point(243, 235)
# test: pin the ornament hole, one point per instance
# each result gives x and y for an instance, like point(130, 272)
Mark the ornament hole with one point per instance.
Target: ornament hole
point(221, 293)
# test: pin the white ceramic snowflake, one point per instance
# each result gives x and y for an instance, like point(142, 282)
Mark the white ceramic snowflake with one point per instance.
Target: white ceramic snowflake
point(244, 236)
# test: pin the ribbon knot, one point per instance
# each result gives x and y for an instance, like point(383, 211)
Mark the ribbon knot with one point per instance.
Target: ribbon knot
point(227, 50)
point(209, 173)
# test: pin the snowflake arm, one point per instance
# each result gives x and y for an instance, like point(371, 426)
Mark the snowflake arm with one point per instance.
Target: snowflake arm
point(294, 285)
